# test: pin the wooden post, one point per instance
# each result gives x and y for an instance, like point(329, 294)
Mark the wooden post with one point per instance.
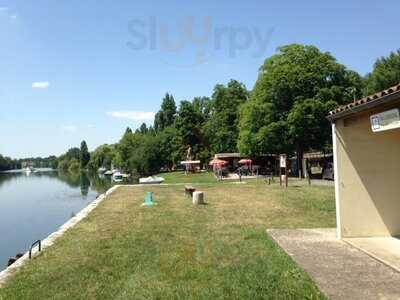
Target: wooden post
point(286, 172)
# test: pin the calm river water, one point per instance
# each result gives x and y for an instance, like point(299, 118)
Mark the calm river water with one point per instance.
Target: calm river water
point(34, 205)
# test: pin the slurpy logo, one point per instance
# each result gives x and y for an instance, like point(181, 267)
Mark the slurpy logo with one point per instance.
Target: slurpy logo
point(189, 43)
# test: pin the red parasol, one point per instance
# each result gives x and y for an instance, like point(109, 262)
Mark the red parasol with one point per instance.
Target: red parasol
point(217, 162)
point(245, 161)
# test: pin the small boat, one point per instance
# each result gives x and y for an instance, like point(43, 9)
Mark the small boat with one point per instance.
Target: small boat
point(117, 177)
point(108, 172)
point(151, 180)
point(29, 170)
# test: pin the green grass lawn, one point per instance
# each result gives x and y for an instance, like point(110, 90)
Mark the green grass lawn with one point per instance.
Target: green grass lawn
point(181, 177)
point(175, 250)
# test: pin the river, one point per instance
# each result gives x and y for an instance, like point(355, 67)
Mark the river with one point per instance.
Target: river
point(34, 205)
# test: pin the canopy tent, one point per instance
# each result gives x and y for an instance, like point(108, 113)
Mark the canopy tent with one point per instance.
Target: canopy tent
point(191, 165)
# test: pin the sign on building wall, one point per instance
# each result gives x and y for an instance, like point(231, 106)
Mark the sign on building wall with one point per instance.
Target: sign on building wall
point(386, 120)
point(282, 160)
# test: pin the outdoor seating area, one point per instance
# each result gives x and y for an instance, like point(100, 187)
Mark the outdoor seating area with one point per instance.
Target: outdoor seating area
point(316, 165)
point(235, 167)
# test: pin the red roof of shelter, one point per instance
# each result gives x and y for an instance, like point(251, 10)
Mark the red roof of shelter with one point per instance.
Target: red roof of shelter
point(364, 102)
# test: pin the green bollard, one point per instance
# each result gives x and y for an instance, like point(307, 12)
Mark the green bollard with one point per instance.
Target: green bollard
point(148, 200)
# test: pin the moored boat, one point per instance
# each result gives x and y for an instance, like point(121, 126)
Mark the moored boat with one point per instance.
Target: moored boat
point(29, 170)
point(151, 180)
point(117, 177)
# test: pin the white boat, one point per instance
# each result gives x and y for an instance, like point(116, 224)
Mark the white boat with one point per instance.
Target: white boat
point(117, 177)
point(29, 170)
point(151, 180)
point(109, 172)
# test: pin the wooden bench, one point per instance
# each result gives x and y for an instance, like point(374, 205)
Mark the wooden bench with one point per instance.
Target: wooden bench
point(189, 190)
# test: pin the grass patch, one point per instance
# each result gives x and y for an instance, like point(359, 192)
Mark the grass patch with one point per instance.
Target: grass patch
point(181, 177)
point(178, 251)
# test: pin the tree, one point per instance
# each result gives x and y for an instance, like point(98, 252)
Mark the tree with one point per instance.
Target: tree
point(294, 89)
point(142, 129)
point(6, 163)
point(124, 149)
point(72, 155)
point(188, 129)
point(73, 166)
point(307, 126)
point(166, 115)
point(169, 147)
point(102, 156)
point(145, 158)
point(222, 127)
point(84, 155)
point(386, 73)
point(203, 106)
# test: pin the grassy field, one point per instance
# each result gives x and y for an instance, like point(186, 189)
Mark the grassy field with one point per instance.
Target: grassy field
point(175, 250)
point(180, 177)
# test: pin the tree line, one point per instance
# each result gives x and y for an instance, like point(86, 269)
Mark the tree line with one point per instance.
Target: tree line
point(7, 163)
point(285, 112)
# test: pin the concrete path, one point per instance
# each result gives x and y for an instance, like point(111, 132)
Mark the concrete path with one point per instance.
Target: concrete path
point(340, 270)
point(384, 249)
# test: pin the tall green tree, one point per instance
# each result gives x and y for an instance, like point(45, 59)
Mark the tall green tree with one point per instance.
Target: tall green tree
point(138, 153)
point(294, 91)
point(166, 115)
point(84, 155)
point(169, 147)
point(70, 157)
point(124, 149)
point(102, 156)
point(143, 129)
point(188, 126)
point(222, 127)
point(386, 73)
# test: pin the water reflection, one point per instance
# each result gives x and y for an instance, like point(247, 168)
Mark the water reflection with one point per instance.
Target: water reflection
point(36, 204)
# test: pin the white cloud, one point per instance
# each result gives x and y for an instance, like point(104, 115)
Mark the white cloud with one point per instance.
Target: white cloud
point(13, 17)
point(3, 8)
point(133, 115)
point(70, 128)
point(40, 85)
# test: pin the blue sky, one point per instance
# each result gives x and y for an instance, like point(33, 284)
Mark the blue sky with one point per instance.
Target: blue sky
point(73, 70)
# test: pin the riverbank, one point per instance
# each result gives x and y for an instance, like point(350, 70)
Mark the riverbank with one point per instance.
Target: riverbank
point(176, 250)
point(51, 239)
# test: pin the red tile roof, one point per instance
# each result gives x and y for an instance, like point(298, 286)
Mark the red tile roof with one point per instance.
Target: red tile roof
point(365, 100)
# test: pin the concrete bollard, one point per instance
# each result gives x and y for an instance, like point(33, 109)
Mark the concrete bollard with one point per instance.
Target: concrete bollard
point(198, 198)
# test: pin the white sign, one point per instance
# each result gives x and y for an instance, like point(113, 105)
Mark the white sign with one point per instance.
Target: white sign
point(386, 120)
point(282, 160)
